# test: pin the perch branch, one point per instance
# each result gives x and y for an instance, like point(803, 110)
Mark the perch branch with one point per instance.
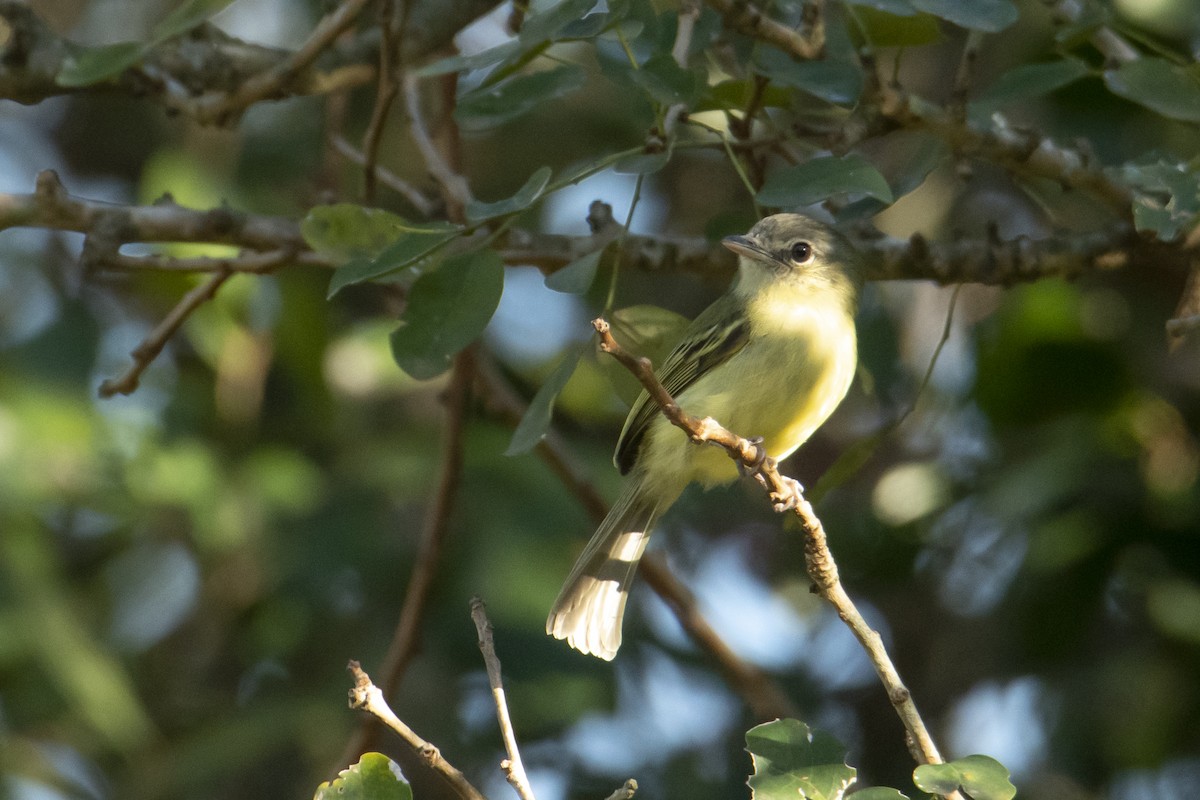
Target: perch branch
point(367, 696)
point(513, 768)
point(786, 494)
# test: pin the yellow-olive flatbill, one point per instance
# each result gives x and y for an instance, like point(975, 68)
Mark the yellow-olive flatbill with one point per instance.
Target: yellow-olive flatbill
point(772, 357)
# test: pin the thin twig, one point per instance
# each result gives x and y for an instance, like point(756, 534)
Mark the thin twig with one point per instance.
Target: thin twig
point(786, 494)
point(220, 106)
point(625, 792)
point(385, 176)
point(513, 768)
point(385, 94)
point(367, 696)
point(145, 353)
point(251, 262)
point(454, 186)
point(746, 18)
point(405, 640)
point(758, 690)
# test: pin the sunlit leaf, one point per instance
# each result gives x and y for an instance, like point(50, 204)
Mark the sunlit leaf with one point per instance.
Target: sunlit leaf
point(791, 761)
point(884, 28)
point(536, 421)
point(1158, 85)
point(374, 777)
point(404, 251)
point(982, 777)
point(576, 277)
point(96, 64)
point(1028, 81)
point(347, 230)
point(187, 16)
point(495, 105)
point(525, 197)
point(990, 16)
point(447, 310)
point(819, 178)
point(879, 793)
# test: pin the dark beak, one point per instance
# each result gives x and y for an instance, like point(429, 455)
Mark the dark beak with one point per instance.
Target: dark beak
point(745, 246)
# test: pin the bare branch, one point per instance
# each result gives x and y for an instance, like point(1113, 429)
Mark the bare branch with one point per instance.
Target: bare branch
point(145, 353)
point(625, 792)
point(745, 17)
point(385, 176)
point(454, 186)
point(367, 696)
point(513, 769)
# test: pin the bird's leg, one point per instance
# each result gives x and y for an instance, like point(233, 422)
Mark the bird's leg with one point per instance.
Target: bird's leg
point(753, 467)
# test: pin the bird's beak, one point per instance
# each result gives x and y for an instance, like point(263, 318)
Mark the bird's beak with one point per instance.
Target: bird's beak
point(745, 246)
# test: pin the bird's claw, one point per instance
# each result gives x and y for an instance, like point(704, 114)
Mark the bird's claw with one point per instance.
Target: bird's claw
point(789, 497)
point(753, 467)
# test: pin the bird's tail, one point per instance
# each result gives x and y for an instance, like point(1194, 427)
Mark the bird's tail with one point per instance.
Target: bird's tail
point(590, 607)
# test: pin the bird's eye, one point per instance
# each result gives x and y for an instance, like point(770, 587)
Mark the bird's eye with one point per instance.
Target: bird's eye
point(801, 252)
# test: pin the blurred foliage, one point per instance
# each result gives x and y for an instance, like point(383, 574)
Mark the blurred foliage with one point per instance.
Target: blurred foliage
point(185, 572)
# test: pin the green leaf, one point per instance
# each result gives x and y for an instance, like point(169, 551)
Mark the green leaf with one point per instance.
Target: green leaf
point(404, 251)
point(1166, 196)
point(1028, 81)
point(838, 82)
point(447, 310)
point(982, 777)
point(493, 106)
point(791, 761)
point(96, 64)
point(884, 29)
point(989, 16)
point(879, 793)
point(647, 331)
point(343, 231)
point(1158, 85)
point(642, 163)
point(523, 199)
point(536, 421)
point(485, 58)
point(576, 277)
point(374, 777)
point(818, 178)
point(185, 17)
point(901, 8)
point(546, 25)
point(666, 82)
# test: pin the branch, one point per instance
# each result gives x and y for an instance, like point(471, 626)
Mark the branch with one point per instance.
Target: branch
point(454, 186)
point(758, 690)
point(786, 494)
point(744, 17)
point(368, 697)
point(514, 770)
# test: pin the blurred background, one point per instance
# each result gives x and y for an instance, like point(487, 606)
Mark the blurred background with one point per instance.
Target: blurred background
point(185, 572)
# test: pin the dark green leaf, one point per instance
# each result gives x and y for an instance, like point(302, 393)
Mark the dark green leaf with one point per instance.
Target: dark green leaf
point(790, 761)
point(990, 16)
point(982, 777)
point(485, 58)
point(512, 98)
point(1028, 81)
point(96, 64)
point(835, 81)
point(576, 277)
point(536, 421)
point(879, 793)
point(546, 25)
point(405, 251)
point(666, 82)
point(1158, 85)
point(902, 8)
point(346, 230)
point(1166, 196)
point(477, 211)
point(374, 777)
point(883, 29)
point(642, 163)
point(447, 310)
point(185, 17)
point(819, 178)
point(589, 27)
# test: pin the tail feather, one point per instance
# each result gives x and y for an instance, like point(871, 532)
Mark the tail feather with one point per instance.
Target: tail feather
point(591, 605)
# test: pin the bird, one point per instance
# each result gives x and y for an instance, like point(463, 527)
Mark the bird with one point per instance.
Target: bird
point(770, 359)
